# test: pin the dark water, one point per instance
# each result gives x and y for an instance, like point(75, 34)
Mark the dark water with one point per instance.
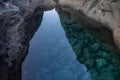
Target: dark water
point(51, 56)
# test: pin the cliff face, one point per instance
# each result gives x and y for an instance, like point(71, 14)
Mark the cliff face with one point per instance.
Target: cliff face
point(19, 19)
point(18, 24)
point(105, 12)
point(94, 47)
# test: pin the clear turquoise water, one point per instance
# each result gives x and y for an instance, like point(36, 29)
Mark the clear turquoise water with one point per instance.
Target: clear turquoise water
point(93, 46)
point(50, 55)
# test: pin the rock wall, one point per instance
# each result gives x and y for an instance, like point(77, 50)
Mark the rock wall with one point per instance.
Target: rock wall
point(105, 12)
point(19, 19)
point(100, 56)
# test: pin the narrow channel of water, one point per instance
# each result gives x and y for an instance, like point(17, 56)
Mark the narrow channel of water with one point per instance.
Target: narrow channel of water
point(50, 55)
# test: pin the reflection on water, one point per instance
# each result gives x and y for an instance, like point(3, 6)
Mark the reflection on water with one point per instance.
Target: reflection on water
point(50, 54)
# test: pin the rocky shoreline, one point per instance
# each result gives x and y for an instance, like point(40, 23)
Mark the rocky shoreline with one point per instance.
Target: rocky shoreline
point(17, 17)
point(96, 51)
point(106, 13)
point(19, 21)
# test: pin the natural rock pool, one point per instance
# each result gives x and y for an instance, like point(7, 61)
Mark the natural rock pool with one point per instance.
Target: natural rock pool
point(61, 41)
point(50, 55)
point(78, 40)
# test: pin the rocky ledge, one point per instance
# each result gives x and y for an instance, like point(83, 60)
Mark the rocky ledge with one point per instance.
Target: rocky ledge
point(17, 17)
point(17, 26)
point(103, 12)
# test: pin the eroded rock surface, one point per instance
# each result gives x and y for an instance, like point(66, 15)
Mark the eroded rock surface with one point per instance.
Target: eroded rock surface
point(19, 19)
point(105, 12)
point(96, 51)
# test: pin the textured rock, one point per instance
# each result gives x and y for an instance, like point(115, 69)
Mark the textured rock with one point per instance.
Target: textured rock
point(101, 62)
point(19, 19)
point(103, 12)
point(100, 56)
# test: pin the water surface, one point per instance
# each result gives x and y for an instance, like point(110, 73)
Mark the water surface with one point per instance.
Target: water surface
point(50, 55)
point(93, 46)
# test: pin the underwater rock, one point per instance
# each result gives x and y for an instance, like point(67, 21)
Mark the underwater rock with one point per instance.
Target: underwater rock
point(94, 47)
point(103, 13)
point(99, 56)
point(103, 54)
point(100, 62)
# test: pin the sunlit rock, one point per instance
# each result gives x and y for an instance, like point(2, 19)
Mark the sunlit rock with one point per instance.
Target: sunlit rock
point(103, 12)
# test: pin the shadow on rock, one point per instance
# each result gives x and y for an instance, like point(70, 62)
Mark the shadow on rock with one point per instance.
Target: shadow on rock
point(15, 34)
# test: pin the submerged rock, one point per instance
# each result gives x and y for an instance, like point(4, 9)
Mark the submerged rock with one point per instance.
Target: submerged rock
point(94, 47)
point(17, 26)
point(103, 13)
point(100, 62)
point(100, 56)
